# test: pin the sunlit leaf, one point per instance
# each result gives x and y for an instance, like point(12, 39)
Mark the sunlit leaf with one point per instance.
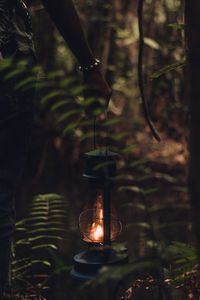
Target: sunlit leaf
point(31, 239)
point(52, 246)
point(45, 262)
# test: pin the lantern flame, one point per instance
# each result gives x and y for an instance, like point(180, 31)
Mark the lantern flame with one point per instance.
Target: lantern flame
point(98, 233)
point(97, 226)
point(94, 226)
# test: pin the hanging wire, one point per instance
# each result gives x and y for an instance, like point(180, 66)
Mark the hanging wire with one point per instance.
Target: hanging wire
point(94, 133)
point(140, 72)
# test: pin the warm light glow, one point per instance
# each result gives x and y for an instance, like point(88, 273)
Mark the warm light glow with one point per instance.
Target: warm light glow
point(93, 225)
point(97, 226)
point(98, 233)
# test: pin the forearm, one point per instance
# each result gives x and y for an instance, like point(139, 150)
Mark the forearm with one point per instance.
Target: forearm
point(66, 19)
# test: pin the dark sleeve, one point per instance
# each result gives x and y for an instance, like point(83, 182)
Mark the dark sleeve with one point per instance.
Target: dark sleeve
point(6, 29)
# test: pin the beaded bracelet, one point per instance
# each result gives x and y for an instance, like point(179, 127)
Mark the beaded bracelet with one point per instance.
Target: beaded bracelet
point(91, 67)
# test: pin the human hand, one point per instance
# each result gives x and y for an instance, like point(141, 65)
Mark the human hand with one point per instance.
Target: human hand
point(97, 88)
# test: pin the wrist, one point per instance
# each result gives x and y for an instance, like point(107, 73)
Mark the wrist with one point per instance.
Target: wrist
point(87, 68)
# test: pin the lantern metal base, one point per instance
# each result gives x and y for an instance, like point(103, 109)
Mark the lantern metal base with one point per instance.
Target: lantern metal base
point(88, 263)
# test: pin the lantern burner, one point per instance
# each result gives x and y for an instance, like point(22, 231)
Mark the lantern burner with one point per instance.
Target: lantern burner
point(88, 263)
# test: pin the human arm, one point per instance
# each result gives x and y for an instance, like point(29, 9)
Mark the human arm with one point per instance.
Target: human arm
point(66, 19)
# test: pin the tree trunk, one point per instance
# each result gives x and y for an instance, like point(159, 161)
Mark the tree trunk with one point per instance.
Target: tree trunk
point(193, 37)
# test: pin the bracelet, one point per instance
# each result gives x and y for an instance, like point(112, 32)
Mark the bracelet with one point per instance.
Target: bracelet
point(91, 67)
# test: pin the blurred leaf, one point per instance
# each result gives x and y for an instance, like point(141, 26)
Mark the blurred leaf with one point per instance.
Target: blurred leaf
point(45, 230)
point(182, 256)
point(68, 114)
point(169, 68)
point(67, 81)
point(135, 189)
point(25, 82)
point(77, 90)
point(120, 135)
point(157, 208)
point(178, 26)
point(139, 224)
point(112, 121)
point(151, 43)
point(182, 189)
point(88, 101)
point(170, 225)
point(13, 73)
point(60, 104)
point(6, 63)
point(98, 111)
point(72, 126)
point(138, 162)
point(134, 205)
point(130, 148)
point(60, 266)
point(51, 95)
point(87, 135)
point(151, 191)
point(69, 128)
point(104, 164)
point(114, 275)
point(165, 177)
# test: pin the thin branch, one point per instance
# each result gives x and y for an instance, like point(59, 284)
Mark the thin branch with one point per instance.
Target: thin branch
point(140, 72)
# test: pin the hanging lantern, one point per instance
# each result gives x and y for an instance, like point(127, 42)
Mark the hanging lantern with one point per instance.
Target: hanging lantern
point(99, 223)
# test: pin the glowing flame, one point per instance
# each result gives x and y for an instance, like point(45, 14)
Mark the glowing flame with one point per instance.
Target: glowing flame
point(98, 233)
point(97, 227)
point(92, 223)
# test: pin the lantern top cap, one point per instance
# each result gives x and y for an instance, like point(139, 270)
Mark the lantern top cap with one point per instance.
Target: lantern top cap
point(101, 154)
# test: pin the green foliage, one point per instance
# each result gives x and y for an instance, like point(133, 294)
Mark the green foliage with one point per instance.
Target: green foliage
point(34, 247)
point(178, 26)
point(183, 258)
point(40, 232)
point(140, 186)
point(169, 68)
